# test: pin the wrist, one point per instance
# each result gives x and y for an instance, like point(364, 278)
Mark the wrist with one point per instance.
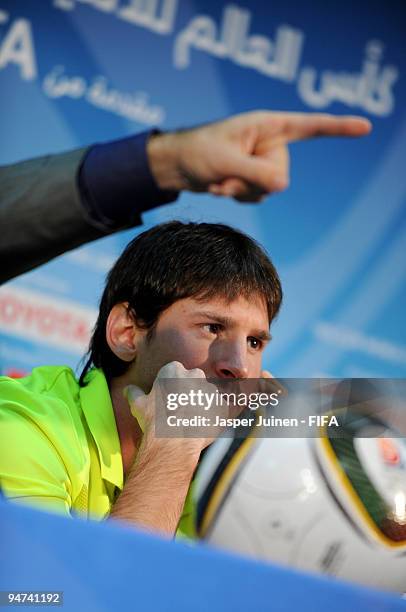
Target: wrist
point(179, 453)
point(163, 150)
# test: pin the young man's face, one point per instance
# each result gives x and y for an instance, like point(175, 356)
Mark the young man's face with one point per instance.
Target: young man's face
point(223, 339)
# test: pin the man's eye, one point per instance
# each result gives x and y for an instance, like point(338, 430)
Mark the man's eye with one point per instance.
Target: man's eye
point(255, 343)
point(213, 328)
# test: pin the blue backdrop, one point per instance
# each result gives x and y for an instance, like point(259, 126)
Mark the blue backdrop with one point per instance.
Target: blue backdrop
point(73, 72)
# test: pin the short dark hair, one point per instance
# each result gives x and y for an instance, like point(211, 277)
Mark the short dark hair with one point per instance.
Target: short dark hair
point(176, 260)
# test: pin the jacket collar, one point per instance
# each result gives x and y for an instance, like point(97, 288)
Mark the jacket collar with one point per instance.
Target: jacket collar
point(99, 414)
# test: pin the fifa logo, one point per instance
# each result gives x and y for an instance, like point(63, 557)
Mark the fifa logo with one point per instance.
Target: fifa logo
point(322, 420)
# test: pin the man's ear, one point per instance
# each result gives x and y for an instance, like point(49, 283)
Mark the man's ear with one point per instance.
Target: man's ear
point(122, 332)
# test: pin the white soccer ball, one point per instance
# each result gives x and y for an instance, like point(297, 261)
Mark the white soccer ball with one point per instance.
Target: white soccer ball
point(330, 505)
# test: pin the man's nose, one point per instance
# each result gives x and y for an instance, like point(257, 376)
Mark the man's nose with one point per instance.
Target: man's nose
point(232, 361)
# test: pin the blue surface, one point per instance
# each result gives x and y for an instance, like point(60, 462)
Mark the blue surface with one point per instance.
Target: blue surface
point(102, 567)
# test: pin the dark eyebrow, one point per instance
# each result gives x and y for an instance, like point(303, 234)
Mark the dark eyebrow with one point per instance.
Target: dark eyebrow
point(263, 335)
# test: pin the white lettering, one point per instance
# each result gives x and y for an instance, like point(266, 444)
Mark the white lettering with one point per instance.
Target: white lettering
point(155, 15)
point(278, 60)
point(370, 89)
point(18, 48)
point(146, 13)
point(133, 106)
point(56, 84)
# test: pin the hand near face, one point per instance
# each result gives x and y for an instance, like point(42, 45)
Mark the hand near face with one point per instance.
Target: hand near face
point(149, 408)
point(146, 408)
point(159, 477)
point(245, 157)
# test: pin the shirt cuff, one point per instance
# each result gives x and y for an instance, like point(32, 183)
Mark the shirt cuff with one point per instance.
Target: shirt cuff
point(116, 184)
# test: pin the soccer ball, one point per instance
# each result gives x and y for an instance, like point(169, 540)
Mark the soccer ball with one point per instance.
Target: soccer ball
point(330, 505)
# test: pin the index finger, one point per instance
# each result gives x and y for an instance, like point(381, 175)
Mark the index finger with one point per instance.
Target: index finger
point(300, 126)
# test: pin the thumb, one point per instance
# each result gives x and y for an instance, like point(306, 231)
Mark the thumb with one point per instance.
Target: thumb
point(271, 384)
point(138, 405)
point(255, 170)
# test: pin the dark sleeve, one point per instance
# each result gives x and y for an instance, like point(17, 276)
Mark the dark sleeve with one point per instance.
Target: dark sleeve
point(116, 183)
point(50, 205)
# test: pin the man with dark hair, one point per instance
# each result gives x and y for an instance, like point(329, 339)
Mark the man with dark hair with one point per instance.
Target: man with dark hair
point(190, 300)
point(175, 261)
